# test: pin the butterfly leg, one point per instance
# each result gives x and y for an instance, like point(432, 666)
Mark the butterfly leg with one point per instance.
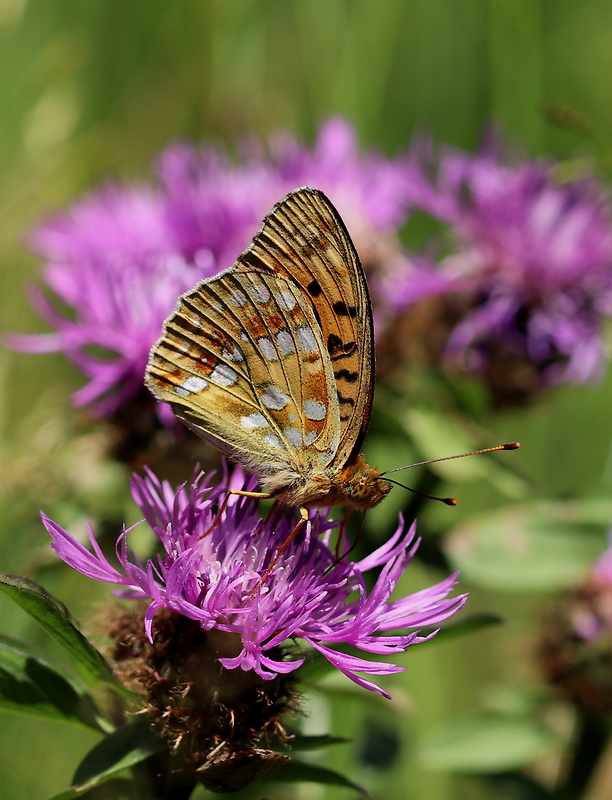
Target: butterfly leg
point(217, 517)
point(223, 506)
point(342, 534)
point(303, 520)
point(260, 495)
point(273, 509)
point(298, 527)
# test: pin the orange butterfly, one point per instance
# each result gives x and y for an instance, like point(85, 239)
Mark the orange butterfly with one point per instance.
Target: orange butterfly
point(272, 360)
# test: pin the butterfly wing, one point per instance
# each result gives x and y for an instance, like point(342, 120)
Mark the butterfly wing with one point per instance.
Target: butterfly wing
point(242, 363)
point(305, 240)
point(272, 359)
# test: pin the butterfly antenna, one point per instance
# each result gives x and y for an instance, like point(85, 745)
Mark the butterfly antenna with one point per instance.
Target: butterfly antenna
point(507, 446)
point(450, 501)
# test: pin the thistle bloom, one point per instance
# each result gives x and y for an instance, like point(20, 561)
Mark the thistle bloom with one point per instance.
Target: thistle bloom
point(576, 641)
point(210, 570)
point(113, 267)
point(118, 260)
point(528, 273)
point(218, 204)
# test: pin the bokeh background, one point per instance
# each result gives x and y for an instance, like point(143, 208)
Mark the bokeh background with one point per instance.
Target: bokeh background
point(95, 90)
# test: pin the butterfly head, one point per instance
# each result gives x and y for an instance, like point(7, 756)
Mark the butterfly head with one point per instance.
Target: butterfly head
point(362, 485)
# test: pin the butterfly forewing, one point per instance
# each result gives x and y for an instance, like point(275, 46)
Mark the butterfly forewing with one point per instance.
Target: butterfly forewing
point(243, 363)
point(272, 359)
point(304, 239)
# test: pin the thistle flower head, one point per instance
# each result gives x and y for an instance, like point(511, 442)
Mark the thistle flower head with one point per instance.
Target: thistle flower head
point(210, 570)
point(117, 261)
point(114, 274)
point(527, 274)
point(576, 641)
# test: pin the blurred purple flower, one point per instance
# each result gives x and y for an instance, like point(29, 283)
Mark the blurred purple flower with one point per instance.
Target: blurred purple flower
point(593, 617)
point(118, 259)
point(115, 272)
point(601, 571)
point(530, 258)
point(575, 647)
point(369, 190)
point(310, 594)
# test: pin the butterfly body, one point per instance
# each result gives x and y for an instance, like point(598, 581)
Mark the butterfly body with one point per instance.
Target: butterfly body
point(272, 359)
point(357, 485)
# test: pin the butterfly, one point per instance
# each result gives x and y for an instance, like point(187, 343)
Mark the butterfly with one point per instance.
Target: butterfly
point(272, 360)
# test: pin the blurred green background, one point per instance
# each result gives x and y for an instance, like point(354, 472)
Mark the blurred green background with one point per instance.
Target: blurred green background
point(95, 89)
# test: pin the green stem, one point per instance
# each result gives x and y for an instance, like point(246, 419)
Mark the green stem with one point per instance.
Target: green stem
point(591, 738)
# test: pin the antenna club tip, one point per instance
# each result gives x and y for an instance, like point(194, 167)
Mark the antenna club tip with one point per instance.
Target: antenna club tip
point(512, 446)
point(450, 501)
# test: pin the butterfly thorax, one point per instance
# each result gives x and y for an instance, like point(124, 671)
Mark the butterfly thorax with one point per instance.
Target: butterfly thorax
point(356, 484)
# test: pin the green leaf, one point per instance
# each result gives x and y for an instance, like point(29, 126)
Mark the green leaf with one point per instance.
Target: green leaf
point(124, 748)
point(539, 546)
point(116, 788)
point(301, 772)
point(513, 699)
point(487, 742)
point(55, 619)
point(30, 685)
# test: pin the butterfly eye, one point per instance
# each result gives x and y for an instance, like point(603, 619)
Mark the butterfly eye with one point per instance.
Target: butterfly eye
point(357, 491)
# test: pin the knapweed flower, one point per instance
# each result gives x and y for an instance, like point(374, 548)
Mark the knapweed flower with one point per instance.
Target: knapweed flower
point(114, 273)
point(118, 260)
point(526, 279)
point(217, 203)
point(575, 650)
point(212, 570)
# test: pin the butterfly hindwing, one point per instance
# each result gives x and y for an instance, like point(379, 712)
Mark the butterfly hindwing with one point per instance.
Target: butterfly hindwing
point(242, 362)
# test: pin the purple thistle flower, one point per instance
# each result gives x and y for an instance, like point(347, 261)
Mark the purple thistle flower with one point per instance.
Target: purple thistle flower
point(113, 266)
point(576, 640)
point(369, 190)
point(594, 618)
point(530, 261)
point(601, 571)
point(118, 259)
point(310, 594)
